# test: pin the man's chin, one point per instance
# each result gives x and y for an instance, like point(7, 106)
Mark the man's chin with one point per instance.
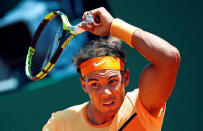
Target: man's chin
point(110, 112)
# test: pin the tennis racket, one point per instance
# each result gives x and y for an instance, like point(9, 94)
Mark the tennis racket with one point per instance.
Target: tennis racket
point(50, 39)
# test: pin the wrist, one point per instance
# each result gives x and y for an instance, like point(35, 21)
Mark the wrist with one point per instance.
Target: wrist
point(123, 30)
point(109, 25)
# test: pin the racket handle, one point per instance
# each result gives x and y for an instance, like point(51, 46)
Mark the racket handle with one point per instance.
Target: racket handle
point(88, 21)
point(78, 30)
point(91, 20)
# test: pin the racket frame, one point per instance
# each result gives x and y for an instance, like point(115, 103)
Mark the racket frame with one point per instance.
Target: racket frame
point(66, 27)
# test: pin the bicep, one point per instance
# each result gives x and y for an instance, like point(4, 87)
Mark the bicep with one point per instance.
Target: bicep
point(155, 87)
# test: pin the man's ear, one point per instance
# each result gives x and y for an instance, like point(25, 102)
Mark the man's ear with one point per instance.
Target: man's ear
point(126, 77)
point(83, 84)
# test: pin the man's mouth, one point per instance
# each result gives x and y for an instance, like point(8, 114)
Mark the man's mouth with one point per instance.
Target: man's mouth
point(109, 103)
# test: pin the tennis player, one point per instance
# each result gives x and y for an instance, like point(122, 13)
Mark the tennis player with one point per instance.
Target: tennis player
point(104, 78)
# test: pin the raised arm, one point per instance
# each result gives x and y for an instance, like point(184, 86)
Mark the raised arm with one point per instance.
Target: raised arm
point(158, 78)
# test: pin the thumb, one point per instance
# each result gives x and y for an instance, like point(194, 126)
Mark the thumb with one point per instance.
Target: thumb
point(86, 27)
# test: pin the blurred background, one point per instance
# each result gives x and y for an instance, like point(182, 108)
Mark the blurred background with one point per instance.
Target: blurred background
point(27, 105)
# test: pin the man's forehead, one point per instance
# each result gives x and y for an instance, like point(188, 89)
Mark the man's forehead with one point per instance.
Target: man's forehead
point(103, 73)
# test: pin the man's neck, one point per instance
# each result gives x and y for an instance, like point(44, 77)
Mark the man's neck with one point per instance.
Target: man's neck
point(96, 117)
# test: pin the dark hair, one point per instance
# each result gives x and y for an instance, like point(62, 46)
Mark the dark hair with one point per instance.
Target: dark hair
point(99, 48)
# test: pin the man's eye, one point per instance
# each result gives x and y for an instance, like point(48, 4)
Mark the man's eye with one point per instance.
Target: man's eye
point(112, 81)
point(95, 85)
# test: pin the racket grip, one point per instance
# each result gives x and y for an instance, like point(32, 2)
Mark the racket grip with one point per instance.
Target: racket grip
point(78, 30)
point(88, 21)
point(92, 20)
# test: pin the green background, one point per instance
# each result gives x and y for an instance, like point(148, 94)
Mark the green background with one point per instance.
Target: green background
point(177, 21)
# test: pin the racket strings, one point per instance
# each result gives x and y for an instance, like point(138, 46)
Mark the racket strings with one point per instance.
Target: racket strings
point(47, 45)
point(36, 67)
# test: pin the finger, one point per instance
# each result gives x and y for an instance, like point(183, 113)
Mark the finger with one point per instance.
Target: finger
point(97, 14)
point(90, 25)
point(85, 14)
point(97, 19)
point(85, 27)
point(96, 11)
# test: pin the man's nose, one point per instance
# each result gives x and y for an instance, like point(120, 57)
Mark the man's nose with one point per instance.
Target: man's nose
point(106, 92)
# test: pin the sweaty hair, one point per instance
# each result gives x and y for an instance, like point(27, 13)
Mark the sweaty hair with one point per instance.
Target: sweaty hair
point(99, 48)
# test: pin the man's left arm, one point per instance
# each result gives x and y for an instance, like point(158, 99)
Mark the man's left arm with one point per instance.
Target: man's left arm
point(157, 80)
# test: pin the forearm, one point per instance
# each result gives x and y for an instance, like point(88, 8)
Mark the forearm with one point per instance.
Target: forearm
point(156, 50)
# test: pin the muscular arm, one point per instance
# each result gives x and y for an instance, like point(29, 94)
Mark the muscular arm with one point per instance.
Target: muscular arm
point(158, 78)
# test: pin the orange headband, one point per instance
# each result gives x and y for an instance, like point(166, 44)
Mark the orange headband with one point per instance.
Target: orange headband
point(101, 63)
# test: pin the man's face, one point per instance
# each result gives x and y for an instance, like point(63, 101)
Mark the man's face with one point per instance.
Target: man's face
point(106, 89)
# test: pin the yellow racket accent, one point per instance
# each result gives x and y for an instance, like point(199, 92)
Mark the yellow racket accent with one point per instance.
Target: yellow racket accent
point(67, 41)
point(50, 16)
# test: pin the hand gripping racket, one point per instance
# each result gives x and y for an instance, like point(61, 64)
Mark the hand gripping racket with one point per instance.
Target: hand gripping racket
point(50, 39)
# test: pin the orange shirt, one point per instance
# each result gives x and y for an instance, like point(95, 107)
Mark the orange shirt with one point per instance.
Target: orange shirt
point(132, 116)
